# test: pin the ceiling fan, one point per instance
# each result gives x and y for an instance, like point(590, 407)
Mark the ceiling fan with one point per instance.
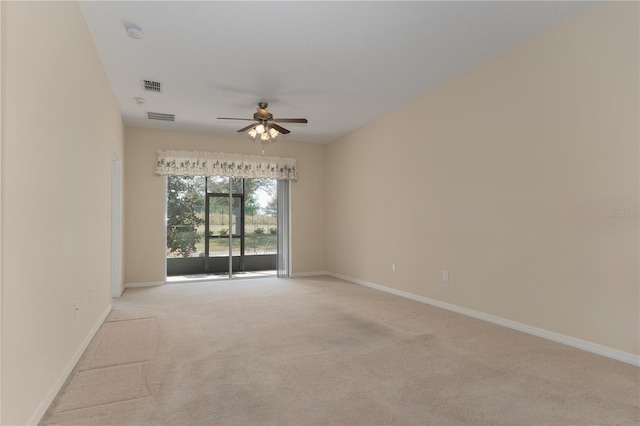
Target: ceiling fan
point(265, 127)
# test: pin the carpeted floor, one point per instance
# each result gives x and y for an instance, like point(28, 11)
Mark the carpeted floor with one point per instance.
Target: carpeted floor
point(326, 352)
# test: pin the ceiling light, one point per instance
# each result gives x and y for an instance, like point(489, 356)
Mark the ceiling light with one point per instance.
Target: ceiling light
point(141, 101)
point(263, 134)
point(134, 32)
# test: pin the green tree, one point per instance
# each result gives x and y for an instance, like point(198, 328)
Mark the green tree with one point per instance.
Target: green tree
point(266, 185)
point(272, 207)
point(185, 208)
point(252, 188)
point(251, 205)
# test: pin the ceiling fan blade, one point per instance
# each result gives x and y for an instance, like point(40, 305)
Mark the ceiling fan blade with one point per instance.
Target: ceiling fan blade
point(229, 118)
point(291, 120)
point(279, 128)
point(244, 129)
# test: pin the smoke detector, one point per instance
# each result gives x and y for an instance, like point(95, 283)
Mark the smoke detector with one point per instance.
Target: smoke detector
point(134, 32)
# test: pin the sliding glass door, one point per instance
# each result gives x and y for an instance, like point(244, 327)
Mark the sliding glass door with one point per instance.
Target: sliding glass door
point(223, 227)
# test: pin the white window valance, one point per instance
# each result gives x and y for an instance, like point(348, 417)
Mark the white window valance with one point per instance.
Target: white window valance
point(200, 163)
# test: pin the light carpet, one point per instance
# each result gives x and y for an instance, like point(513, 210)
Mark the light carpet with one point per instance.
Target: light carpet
point(321, 351)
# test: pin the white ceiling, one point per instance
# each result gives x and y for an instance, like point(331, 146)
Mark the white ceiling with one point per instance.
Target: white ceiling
point(341, 64)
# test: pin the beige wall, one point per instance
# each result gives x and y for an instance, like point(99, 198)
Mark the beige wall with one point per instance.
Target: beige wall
point(60, 121)
point(503, 177)
point(145, 198)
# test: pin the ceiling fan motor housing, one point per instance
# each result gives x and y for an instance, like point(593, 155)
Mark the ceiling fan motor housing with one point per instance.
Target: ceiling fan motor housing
point(262, 115)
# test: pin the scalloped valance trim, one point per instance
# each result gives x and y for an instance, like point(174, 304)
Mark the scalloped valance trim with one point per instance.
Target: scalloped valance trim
point(201, 163)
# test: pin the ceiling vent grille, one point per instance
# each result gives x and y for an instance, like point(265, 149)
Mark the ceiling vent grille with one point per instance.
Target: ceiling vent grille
point(152, 86)
point(161, 116)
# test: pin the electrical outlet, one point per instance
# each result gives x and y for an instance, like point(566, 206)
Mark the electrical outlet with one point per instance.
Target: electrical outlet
point(393, 267)
point(90, 295)
point(445, 276)
point(76, 308)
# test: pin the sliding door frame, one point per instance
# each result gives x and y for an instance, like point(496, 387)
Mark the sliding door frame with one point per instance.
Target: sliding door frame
point(280, 261)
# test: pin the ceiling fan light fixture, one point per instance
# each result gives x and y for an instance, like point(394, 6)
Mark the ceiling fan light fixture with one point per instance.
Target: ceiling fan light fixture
point(263, 134)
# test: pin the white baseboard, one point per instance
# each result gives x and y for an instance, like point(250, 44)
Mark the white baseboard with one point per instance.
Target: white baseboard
point(36, 417)
point(308, 274)
point(595, 348)
point(146, 284)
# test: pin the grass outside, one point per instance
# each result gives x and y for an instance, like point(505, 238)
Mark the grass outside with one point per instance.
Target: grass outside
point(254, 244)
point(264, 241)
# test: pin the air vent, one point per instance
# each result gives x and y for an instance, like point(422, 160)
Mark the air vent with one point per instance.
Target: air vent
point(160, 116)
point(152, 86)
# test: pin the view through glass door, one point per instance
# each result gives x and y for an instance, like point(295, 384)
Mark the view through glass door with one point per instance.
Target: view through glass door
point(221, 227)
point(223, 233)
